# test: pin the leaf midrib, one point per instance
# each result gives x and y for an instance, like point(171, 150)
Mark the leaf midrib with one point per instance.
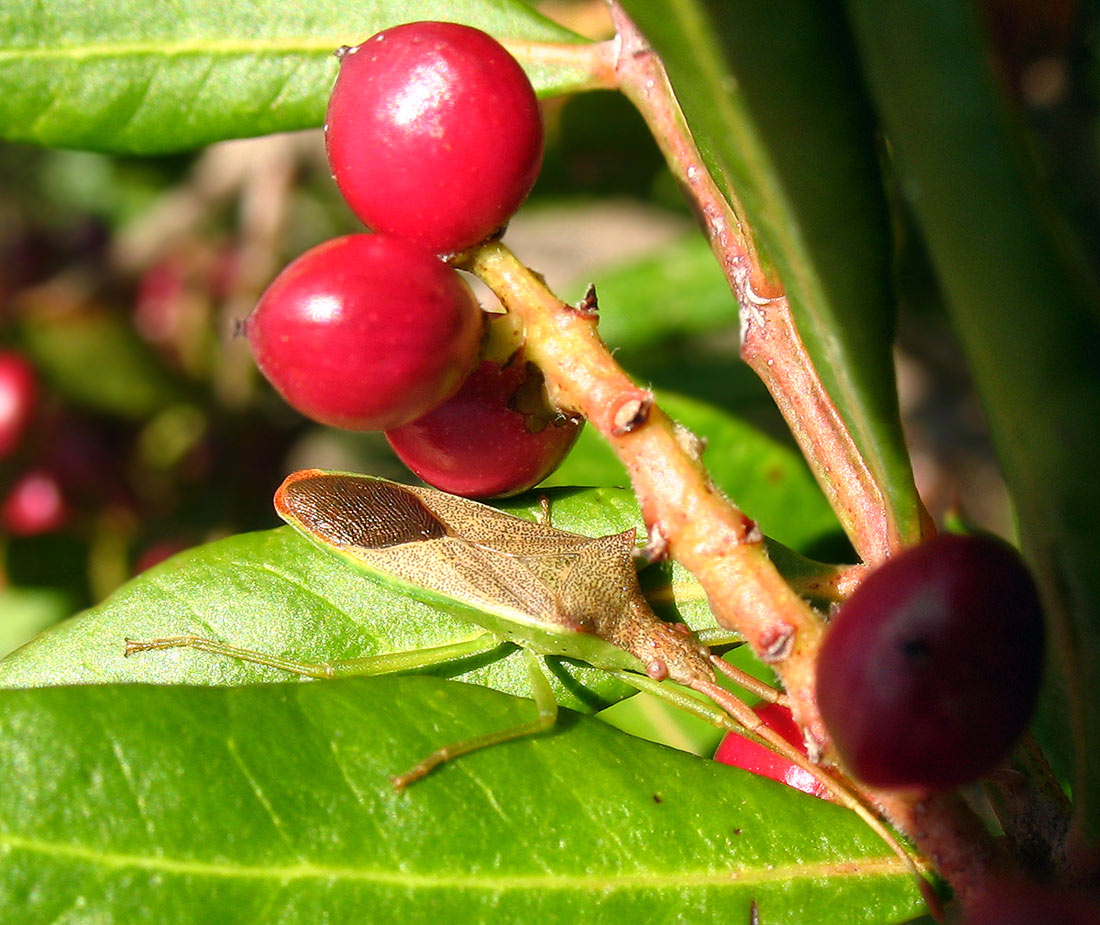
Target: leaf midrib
point(587, 883)
point(169, 49)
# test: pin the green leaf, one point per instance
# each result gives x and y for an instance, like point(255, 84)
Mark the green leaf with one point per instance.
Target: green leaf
point(1027, 311)
point(767, 479)
point(775, 104)
point(124, 76)
point(139, 803)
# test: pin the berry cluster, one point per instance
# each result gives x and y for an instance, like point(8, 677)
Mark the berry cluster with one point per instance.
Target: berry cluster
point(930, 671)
point(434, 138)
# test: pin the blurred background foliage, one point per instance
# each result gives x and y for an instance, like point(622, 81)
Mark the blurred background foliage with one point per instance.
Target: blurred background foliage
point(123, 280)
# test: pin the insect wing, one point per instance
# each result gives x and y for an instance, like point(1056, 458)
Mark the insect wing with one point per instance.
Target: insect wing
point(398, 534)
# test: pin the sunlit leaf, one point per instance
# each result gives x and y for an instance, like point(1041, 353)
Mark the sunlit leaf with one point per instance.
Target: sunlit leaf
point(126, 804)
point(118, 75)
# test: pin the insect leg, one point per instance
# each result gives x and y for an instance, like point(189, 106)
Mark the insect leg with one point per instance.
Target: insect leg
point(547, 715)
point(388, 663)
point(747, 682)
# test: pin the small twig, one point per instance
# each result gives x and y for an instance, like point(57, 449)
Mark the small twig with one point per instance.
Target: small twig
point(704, 531)
point(1033, 811)
point(592, 62)
point(265, 194)
point(770, 341)
point(951, 836)
point(218, 174)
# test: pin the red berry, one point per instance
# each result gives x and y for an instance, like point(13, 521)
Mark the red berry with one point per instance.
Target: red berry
point(495, 437)
point(366, 332)
point(930, 671)
point(156, 302)
point(744, 753)
point(34, 505)
point(18, 393)
point(433, 134)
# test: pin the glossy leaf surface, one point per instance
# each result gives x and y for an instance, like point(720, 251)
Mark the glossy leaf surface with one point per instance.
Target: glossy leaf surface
point(247, 804)
point(147, 78)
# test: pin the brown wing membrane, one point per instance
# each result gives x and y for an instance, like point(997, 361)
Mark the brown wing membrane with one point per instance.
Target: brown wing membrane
point(350, 511)
point(495, 529)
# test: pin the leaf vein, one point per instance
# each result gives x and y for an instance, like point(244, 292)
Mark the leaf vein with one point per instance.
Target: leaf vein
point(600, 882)
point(142, 95)
point(258, 792)
point(200, 88)
point(296, 582)
point(277, 92)
point(316, 45)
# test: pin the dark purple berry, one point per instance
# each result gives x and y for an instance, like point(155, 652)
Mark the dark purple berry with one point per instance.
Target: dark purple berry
point(930, 671)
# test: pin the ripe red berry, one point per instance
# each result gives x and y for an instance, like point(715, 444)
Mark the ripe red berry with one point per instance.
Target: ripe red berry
point(366, 332)
point(433, 134)
point(930, 671)
point(495, 437)
point(34, 505)
point(18, 393)
point(741, 752)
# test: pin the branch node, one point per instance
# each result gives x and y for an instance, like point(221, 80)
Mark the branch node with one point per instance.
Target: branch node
point(631, 414)
point(777, 643)
point(589, 305)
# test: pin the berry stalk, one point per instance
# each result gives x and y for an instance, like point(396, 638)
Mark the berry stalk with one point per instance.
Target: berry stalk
point(687, 516)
